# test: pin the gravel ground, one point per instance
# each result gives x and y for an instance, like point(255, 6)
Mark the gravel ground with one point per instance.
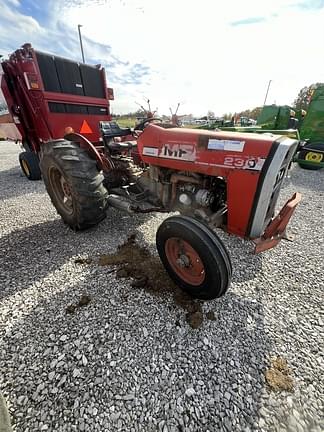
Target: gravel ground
point(128, 361)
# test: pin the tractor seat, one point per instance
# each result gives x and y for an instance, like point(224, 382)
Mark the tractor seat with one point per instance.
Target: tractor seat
point(110, 129)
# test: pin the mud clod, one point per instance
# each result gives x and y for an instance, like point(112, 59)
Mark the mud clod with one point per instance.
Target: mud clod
point(70, 309)
point(211, 316)
point(147, 272)
point(83, 301)
point(83, 260)
point(140, 283)
point(278, 375)
point(194, 319)
point(121, 273)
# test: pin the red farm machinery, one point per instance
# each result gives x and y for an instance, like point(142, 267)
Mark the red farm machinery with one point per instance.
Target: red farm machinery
point(47, 93)
point(213, 179)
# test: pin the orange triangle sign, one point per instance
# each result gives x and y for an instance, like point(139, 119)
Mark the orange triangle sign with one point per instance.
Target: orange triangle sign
point(85, 128)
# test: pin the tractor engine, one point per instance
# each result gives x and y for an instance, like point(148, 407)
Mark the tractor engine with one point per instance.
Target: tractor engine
point(189, 193)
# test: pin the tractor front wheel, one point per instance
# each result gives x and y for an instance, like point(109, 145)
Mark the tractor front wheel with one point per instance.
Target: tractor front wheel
point(74, 184)
point(194, 256)
point(29, 164)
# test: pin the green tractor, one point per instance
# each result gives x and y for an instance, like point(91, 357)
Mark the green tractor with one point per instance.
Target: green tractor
point(308, 127)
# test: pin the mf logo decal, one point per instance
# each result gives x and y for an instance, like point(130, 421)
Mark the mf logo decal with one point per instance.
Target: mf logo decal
point(185, 152)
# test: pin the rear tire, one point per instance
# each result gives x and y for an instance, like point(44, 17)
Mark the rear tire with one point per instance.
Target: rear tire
point(311, 155)
point(74, 184)
point(194, 257)
point(29, 164)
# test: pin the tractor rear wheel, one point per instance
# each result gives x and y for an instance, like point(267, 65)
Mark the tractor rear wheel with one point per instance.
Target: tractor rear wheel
point(29, 164)
point(74, 184)
point(194, 256)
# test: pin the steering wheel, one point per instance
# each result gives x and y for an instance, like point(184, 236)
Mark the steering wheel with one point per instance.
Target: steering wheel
point(141, 125)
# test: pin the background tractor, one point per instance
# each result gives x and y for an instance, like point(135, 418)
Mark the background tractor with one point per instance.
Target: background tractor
point(306, 126)
point(309, 127)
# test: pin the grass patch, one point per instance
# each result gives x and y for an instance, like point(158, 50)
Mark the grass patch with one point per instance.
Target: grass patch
point(278, 375)
point(125, 122)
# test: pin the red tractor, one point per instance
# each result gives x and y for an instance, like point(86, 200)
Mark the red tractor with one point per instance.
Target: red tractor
point(213, 179)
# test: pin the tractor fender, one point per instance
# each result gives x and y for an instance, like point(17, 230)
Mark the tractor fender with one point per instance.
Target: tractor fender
point(104, 164)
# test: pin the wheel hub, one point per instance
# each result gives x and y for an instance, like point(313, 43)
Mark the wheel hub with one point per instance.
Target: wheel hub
point(185, 261)
point(66, 188)
point(62, 190)
point(314, 157)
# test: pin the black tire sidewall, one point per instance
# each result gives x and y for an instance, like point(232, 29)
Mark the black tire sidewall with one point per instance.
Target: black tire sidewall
point(209, 247)
point(47, 164)
point(31, 159)
point(84, 179)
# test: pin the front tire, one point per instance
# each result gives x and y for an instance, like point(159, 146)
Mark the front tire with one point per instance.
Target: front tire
point(74, 184)
point(194, 257)
point(29, 164)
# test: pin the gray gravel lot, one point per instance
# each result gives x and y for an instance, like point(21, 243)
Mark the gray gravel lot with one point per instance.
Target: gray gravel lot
point(128, 361)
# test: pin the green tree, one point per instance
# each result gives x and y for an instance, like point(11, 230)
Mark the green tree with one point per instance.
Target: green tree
point(304, 96)
point(250, 113)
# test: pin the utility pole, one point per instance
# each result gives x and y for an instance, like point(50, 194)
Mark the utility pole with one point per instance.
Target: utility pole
point(265, 99)
point(81, 46)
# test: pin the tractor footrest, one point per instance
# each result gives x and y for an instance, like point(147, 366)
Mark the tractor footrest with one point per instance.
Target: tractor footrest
point(276, 230)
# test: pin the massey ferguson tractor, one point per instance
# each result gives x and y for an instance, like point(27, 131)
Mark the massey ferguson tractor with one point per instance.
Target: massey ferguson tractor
point(212, 179)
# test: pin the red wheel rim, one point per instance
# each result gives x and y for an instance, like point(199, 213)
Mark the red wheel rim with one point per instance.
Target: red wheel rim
point(185, 261)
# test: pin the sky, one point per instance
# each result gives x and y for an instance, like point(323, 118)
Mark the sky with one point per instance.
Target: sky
point(208, 54)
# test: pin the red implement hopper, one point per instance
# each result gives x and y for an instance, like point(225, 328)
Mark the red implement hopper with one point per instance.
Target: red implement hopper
point(46, 94)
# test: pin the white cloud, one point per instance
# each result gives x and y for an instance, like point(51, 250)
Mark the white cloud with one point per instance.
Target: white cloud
point(194, 53)
point(205, 61)
point(14, 2)
point(14, 25)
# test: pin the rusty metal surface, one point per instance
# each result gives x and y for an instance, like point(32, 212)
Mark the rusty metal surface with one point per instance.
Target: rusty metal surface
point(276, 230)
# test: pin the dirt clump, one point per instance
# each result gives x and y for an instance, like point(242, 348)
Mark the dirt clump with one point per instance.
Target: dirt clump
point(81, 260)
point(194, 319)
point(211, 316)
point(278, 375)
point(147, 272)
point(83, 301)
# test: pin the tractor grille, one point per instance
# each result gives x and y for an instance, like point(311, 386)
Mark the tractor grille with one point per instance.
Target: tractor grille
point(269, 185)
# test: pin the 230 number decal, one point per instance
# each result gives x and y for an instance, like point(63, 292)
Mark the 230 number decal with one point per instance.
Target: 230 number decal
point(235, 161)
